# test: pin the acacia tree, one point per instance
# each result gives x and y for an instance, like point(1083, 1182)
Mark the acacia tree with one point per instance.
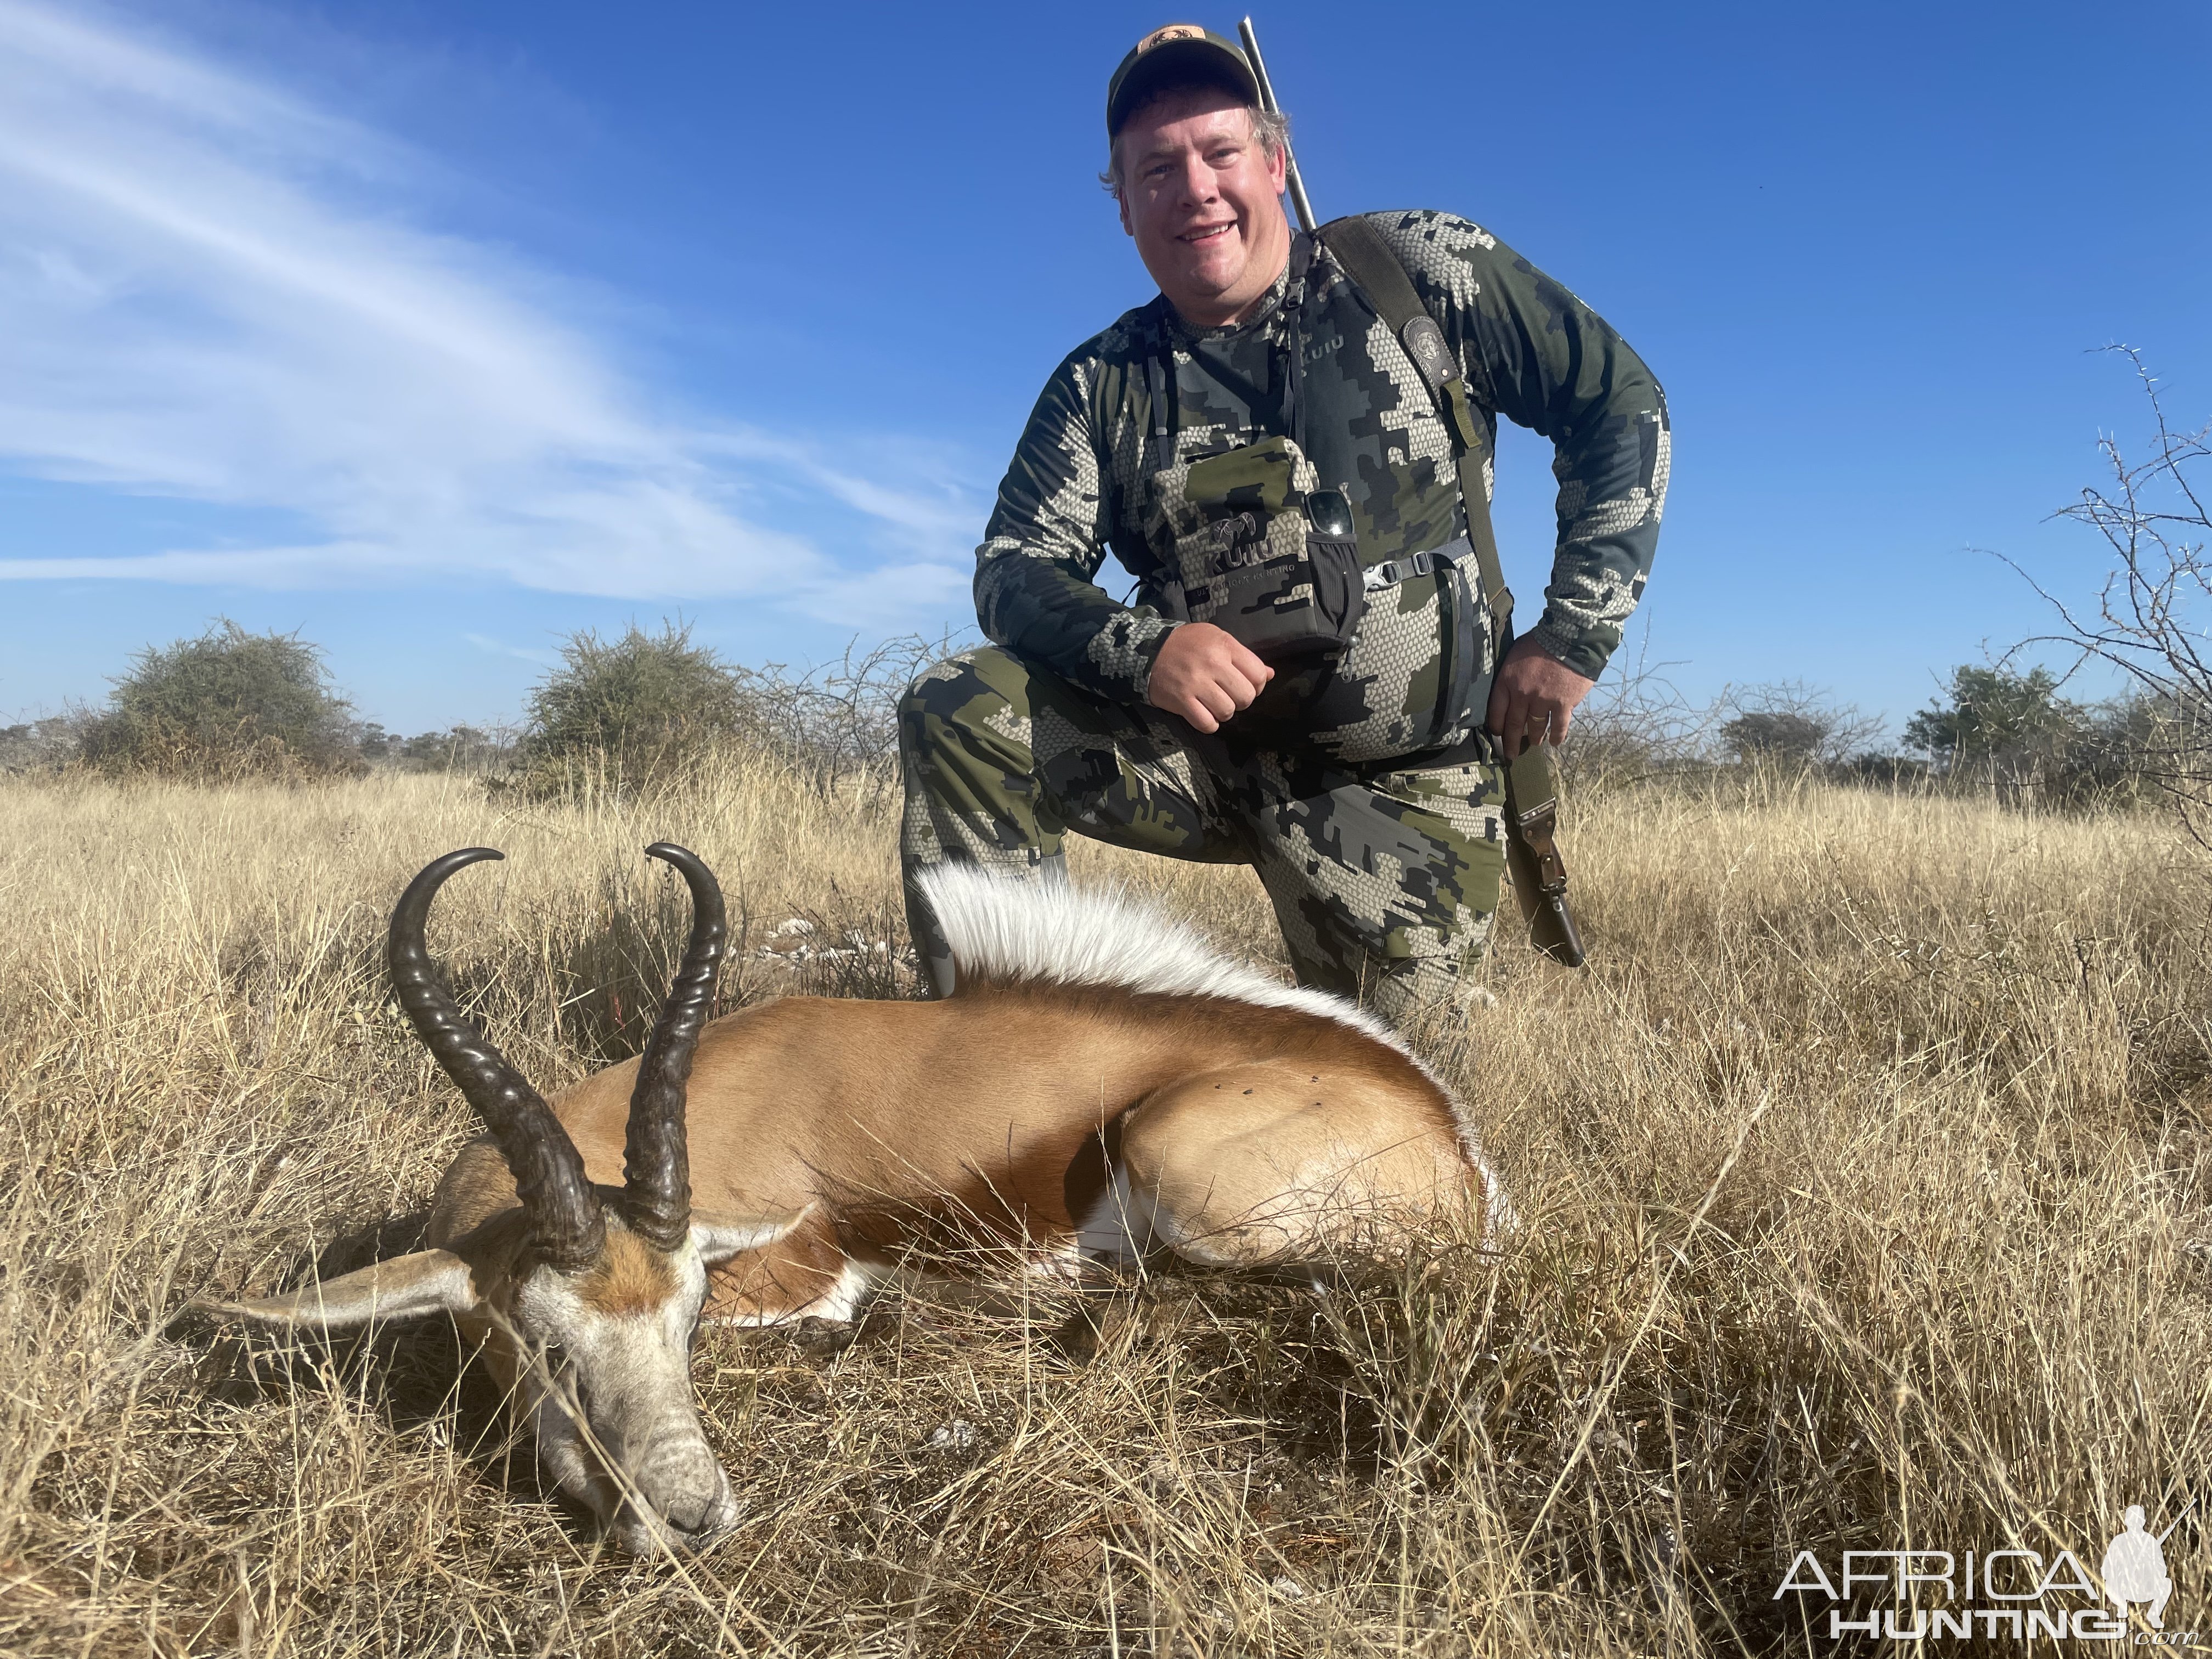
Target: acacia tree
point(2008, 728)
point(1794, 725)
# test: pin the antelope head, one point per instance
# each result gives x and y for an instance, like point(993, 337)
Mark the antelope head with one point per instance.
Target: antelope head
point(584, 1299)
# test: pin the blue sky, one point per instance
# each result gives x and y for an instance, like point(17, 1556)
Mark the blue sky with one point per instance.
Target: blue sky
point(436, 332)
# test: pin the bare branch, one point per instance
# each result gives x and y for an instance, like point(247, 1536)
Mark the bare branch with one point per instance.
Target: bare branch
point(2154, 605)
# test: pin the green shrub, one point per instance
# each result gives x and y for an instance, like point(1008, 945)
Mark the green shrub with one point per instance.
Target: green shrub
point(2008, 725)
point(225, 707)
point(2013, 733)
point(630, 713)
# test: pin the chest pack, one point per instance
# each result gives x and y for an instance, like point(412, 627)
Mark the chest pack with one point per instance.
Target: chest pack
point(1260, 541)
point(1263, 549)
point(1271, 556)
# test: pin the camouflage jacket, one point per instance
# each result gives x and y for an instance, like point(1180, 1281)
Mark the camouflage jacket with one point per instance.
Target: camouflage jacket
point(1084, 477)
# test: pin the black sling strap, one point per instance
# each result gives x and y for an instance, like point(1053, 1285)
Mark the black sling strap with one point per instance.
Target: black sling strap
point(1532, 802)
point(1369, 261)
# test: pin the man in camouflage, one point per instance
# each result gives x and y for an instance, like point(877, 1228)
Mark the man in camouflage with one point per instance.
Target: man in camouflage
point(1364, 786)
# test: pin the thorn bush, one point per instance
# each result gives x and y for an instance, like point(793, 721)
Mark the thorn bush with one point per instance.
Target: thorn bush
point(223, 708)
point(629, 715)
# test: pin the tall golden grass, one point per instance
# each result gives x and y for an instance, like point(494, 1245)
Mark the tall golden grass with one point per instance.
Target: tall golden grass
point(1864, 1176)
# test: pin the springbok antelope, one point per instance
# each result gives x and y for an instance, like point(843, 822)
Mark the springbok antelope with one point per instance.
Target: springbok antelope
point(1099, 1083)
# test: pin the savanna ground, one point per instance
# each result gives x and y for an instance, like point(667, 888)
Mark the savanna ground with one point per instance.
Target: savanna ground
point(1864, 1174)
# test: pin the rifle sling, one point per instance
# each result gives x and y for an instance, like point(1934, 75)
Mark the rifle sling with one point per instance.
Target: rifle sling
point(1375, 270)
point(1532, 800)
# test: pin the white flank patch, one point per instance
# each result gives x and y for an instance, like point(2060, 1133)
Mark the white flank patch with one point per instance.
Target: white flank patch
point(839, 1302)
point(1001, 927)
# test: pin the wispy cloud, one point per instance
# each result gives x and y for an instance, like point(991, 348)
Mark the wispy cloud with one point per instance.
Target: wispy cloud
point(493, 647)
point(210, 290)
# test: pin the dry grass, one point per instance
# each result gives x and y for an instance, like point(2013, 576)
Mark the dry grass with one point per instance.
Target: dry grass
point(1866, 1177)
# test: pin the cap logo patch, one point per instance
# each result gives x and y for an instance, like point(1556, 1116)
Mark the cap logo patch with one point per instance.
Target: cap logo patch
point(1172, 32)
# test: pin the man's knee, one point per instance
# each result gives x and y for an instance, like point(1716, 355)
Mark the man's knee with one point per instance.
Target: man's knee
point(980, 695)
point(938, 697)
point(971, 794)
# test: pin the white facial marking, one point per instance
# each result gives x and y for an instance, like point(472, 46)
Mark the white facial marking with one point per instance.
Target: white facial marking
point(611, 1401)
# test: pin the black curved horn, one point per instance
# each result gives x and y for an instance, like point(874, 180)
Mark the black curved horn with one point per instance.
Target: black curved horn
point(656, 1158)
point(549, 1172)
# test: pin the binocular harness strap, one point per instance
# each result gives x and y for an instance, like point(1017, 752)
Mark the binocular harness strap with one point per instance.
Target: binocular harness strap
point(1532, 802)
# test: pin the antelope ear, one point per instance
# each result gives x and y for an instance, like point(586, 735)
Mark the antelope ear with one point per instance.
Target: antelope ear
point(721, 1238)
point(406, 1287)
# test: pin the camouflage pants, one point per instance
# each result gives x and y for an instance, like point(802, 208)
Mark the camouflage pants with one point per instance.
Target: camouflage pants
point(1384, 882)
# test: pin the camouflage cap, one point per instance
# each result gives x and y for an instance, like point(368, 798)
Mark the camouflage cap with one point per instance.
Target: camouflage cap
point(1180, 51)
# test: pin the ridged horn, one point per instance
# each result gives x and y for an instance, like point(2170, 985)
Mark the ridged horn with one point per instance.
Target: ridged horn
point(656, 1157)
point(565, 1222)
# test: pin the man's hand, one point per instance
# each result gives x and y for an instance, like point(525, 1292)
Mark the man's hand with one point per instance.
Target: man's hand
point(1204, 675)
point(1532, 697)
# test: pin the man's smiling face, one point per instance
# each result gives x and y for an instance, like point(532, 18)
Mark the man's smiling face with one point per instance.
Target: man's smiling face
point(1203, 198)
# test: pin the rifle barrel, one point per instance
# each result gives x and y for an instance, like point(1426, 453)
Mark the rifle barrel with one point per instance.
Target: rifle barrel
point(1297, 186)
point(2177, 1520)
